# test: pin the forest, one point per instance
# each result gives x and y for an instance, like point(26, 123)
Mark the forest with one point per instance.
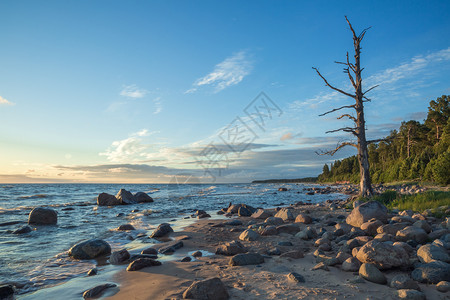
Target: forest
point(416, 152)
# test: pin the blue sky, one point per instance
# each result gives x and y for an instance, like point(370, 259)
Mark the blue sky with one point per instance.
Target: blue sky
point(145, 91)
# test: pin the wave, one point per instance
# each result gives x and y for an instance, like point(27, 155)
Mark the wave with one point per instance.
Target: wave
point(37, 196)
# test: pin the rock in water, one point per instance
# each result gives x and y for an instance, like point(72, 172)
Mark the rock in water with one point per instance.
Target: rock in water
point(246, 259)
point(119, 257)
point(96, 291)
point(429, 252)
point(125, 227)
point(90, 249)
point(105, 199)
point(7, 292)
point(162, 230)
point(22, 230)
point(43, 216)
point(141, 263)
point(209, 289)
point(142, 197)
point(383, 255)
point(125, 197)
point(367, 211)
point(432, 272)
point(371, 273)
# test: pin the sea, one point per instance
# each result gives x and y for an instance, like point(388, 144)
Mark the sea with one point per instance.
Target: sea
point(37, 262)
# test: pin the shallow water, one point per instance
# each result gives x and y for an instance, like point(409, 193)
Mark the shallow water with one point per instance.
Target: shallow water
point(39, 259)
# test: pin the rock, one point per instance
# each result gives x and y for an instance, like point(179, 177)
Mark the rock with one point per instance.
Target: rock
point(295, 254)
point(443, 286)
point(186, 259)
point(231, 248)
point(234, 222)
point(436, 234)
point(342, 256)
point(261, 214)
point(96, 291)
point(391, 228)
point(383, 237)
point(412, 233)
point(274, 251)
point(137, 256)
point(383, 255)
point(371, 273)
point(119, 257)
point(285, 243)
point(351, 264)
point(125, 197)
point(249, 235)
point(234, 208)
point(90, 249)
point(162, 230)
point(285, 214)
point(405, 247)
point(209, 289)
point(282, 189)
point(307, 234)
point(274, 221)
point(141, 263)
point(288, 228)
point(246, 259)
point(22, 230)
point(43, 216)
point(424, 225)
point(171, 247)
point(142, 197)
point(105, 199)
point(403, 281)
point(302, 218)
point(151, 251)
point(7, 292)
point(320, 266)
point(295, 277)
point(429, 252)
point(321, 241)
point(370, 227)
point(269, 230)
point(92, 272)
point(367, 211)
point(197, 254)
point(432, 272)
point(125, 227)
point(244, 212)
point(410, 294)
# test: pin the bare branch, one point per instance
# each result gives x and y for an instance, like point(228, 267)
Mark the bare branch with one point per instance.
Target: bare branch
point(386, 139)
point(339, 146)
point(345, 129)
point(332, 87)
point(351, 28)
point(371, 89)
point(348, 116)
point(336, 109)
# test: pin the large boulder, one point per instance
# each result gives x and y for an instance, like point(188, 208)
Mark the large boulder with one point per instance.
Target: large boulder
point(162, 230)
point(412, 233)
point(231, 248)
point(382, 254)
point(246, 259)
point(126, 197)
point(370, 227)
point(391, 228)
point(7, 292)
point(372, 273)
point(249, 235)
point(209, 289)
point(432, 272)
point(43, 216)
point(142, 197)
point(90, 249)
point(429, 252)
point(261, 214)
point(303, 218)
point(119, 257)
point(367, 211)
point(285, 214)
point(105, 199)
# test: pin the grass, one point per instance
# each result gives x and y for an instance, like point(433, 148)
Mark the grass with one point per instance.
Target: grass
point(416, 202)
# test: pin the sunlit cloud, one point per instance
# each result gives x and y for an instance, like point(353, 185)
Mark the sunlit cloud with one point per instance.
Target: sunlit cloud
point(129, 149)
point(3, 101)
point(133, 91)
point(229, 72)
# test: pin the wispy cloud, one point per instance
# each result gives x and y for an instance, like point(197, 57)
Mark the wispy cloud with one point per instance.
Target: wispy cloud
point(3, 101)
point(229, 72)
point(129, 149)
point(133, 91)
point(158, 105)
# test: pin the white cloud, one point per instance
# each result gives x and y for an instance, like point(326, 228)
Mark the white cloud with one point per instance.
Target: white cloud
point(227, 73)
point(158, 105)
point(3, 101)
point(133, 91)
point(129, 149)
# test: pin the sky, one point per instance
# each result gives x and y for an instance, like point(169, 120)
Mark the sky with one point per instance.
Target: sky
point(203, 91)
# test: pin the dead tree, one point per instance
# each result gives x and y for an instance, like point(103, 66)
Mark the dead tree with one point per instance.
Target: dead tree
point(353, 70)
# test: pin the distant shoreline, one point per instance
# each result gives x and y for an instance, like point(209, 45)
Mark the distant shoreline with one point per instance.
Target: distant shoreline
point(297, 180)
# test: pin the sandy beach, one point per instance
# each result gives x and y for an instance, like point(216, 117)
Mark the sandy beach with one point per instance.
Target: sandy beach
point(267, 280)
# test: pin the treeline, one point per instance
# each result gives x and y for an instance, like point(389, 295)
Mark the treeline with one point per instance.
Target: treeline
point(417, 151)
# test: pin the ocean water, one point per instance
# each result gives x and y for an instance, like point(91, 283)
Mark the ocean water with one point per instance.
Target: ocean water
point(38, 259)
